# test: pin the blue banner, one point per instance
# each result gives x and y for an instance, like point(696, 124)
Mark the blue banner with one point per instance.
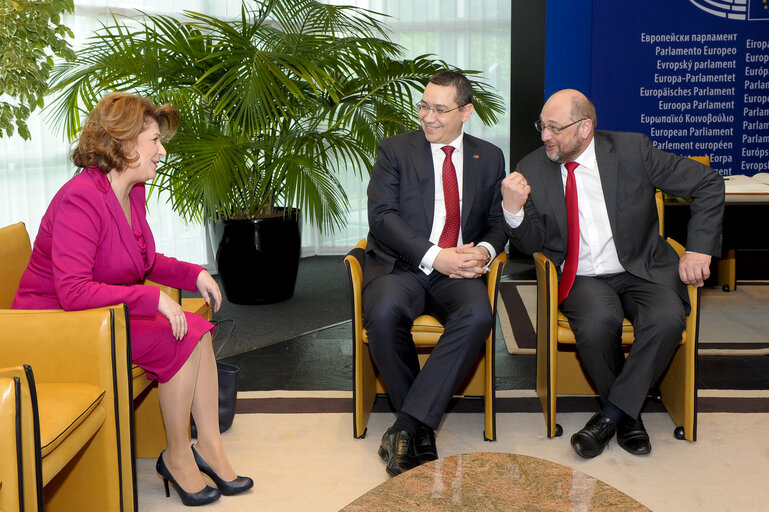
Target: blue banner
point(691, 74)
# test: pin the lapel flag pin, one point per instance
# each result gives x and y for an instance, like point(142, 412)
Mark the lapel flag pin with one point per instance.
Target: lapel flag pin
point(476, 157)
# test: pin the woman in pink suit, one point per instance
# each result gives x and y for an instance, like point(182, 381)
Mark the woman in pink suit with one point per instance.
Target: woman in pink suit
point(94, 248)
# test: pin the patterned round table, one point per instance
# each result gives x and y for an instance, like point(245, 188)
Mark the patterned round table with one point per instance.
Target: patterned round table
point(493, 481)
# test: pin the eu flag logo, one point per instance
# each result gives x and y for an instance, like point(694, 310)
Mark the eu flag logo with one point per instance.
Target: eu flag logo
point(754, 10)
point(758, 10)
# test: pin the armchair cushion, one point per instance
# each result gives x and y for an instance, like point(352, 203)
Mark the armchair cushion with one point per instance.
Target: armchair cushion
point(63, 407)
point(425, 331)
point(566, 335)
point(426, 323)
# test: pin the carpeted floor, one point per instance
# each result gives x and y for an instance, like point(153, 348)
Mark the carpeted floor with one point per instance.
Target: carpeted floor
point(310, 462)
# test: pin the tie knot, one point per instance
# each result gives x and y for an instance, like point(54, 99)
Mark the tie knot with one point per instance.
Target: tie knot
point(570, 166)
point(448, 150)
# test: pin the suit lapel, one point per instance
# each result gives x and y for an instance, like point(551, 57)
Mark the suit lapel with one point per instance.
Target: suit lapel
point(554, 181)
point(607, 169)
point(116, 212)
point(423, 165)
point(138, 197)
point(471, 167)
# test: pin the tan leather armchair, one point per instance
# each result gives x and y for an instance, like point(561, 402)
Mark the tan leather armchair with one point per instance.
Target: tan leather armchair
point(81, 447)
point(560, 371)
point(368, 382)
point(73, 446)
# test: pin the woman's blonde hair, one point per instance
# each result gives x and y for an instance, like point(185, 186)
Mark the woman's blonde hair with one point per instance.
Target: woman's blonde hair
point(109, 133)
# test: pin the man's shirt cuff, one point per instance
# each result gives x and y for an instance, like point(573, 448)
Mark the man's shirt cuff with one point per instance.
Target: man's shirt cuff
point(426, 265)
point(513, 219)
point(492, 252)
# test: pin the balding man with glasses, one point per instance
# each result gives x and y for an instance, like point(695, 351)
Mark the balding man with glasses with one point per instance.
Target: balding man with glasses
point(587, 200)
point(435, 222)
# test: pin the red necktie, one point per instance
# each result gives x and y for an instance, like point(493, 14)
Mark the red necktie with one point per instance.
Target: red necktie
point(450, 233)
point(572, 251)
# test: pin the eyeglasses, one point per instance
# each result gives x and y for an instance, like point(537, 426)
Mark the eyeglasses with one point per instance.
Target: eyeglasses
point(555, 130)
point(438, 111)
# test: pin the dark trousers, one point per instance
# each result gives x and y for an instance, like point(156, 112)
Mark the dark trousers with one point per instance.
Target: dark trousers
point(595, 308)
point(391, 303)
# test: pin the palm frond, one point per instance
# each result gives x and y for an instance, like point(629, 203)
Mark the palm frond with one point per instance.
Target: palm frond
point(275, 104)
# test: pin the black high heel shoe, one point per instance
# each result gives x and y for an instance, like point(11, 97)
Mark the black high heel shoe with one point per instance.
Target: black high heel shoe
point(239, 484)
point(191, 499)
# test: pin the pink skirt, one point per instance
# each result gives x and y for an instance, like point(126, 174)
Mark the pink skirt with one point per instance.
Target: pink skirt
point(154, 348)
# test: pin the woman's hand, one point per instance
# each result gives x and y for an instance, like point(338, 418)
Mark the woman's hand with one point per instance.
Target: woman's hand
point(173, 311)
point(209, 289)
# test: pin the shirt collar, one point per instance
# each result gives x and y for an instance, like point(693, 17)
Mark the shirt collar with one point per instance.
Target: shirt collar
point(586, 158)
point(457, 143)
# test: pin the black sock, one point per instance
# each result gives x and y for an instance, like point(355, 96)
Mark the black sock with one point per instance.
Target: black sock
point(611, 411)
point(406, 422)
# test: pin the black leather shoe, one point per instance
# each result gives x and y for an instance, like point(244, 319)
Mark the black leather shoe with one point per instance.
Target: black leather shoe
point(424, 445)
point(397, 450)
point(191, 499)
point(594, 436)
point(632, 436)
point(239, 484)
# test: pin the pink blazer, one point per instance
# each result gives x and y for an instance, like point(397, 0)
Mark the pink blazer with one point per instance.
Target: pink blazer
point(86, 256)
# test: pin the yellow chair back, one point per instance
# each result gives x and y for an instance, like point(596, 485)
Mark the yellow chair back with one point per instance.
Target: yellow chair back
point(15, 251)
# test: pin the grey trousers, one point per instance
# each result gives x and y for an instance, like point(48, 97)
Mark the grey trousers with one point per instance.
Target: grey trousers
point(595, 307)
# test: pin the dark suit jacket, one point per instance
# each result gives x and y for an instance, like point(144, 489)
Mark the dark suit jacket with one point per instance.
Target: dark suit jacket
point(631, 170)
point(401, 198)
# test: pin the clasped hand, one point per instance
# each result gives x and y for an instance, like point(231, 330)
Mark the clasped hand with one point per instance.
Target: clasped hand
point(465, 261)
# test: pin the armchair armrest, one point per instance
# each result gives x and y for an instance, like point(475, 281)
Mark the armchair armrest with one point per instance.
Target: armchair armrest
point(174, 293)
point(193, 304)
point(355, 275)
point(76, 348)
point(68, 346)
point(493, 277)
point(19, 442)
point(547, 284)
point(676, 246)
point(540, 265)
point(694, 292)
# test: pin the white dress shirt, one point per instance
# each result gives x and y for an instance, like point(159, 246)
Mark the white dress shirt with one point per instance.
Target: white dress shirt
point(597, 252)
point(439, 208)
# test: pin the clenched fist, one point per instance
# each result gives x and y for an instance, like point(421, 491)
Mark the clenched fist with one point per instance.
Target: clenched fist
point(515, 192)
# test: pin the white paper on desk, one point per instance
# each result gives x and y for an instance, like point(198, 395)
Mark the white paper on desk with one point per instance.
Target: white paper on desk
point(756, 184)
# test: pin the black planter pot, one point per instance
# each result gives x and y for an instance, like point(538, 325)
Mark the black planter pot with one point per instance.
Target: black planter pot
point(258, 259)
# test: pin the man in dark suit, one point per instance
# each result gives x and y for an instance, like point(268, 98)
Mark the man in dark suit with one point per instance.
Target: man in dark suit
point(435, 222)
point(614, 262)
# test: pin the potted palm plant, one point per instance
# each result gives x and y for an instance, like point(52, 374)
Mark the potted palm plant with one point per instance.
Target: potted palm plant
point(274, 104)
